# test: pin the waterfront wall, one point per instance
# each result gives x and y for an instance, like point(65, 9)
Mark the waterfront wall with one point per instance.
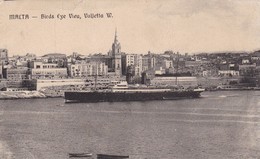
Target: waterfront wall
point(183, 81)
point(58, 82)
point(20, 94)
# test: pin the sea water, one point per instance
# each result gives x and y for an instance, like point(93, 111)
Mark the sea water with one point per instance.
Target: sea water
point(217, 125)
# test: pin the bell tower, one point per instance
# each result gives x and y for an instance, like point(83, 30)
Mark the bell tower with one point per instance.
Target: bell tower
point(116, 55)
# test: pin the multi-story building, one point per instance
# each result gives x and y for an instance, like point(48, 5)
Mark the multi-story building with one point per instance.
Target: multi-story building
point(15, 74)
point(130, 59)
point(42, 65)
point(135, 61)
point(145, 63)
point(99, 58)
point(1, 71)
point(168, 63)
point(247, 70)
point(150, 62)
point(159, 71)
point(41, 70)
point(228, 73)
point(53, 73)
point(87, 69)
point(138, 66)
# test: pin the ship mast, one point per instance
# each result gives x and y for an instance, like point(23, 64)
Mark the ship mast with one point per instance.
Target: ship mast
point(95, 82)
point(177, 67)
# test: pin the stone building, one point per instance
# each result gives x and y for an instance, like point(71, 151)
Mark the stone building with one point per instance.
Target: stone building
point(42, 70)
point(86, 69)
point(135, 61)
point(15, 74)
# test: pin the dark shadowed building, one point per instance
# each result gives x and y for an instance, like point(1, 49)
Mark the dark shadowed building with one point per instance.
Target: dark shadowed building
point(3, 56)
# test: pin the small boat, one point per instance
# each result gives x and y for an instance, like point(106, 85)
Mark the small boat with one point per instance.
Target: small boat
point(80, 154)
point(104, 156)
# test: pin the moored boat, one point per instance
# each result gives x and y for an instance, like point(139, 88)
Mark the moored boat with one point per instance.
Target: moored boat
point(122, 92)
point(80, 154)
point(104, 156)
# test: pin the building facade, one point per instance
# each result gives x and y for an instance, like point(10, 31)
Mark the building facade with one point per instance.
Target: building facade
point(1, 71)
point(228, 73)
point(168, 63)
point(135, 61)
point(15, 74)
point(88, 69)
point(42, 70)
point(148, 62)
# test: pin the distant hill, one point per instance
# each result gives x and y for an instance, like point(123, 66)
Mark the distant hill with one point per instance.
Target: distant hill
point(257, 53)
point(55, 55)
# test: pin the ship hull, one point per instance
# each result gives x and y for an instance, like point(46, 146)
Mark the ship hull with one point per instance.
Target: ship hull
point(89, 97)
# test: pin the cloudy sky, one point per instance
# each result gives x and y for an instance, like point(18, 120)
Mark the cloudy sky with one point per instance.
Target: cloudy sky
point(191, 26)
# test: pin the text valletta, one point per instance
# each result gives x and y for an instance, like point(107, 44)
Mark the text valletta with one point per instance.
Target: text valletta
point(61, 16)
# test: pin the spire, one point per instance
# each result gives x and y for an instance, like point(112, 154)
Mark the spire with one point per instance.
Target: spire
point(115, 35)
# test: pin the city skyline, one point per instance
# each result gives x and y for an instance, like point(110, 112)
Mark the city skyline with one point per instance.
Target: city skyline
point(142, 26)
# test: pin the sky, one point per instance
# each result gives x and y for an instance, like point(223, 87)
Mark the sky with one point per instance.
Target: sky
point(186, 26)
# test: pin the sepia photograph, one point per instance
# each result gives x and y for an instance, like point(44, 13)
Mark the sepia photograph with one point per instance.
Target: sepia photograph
point(132, 79)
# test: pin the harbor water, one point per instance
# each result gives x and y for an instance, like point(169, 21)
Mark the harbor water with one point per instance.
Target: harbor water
point(217, 125)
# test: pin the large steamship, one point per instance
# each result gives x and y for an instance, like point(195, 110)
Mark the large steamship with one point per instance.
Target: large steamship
point(122, 92)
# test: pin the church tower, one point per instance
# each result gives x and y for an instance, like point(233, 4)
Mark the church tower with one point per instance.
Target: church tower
point(116, 55)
